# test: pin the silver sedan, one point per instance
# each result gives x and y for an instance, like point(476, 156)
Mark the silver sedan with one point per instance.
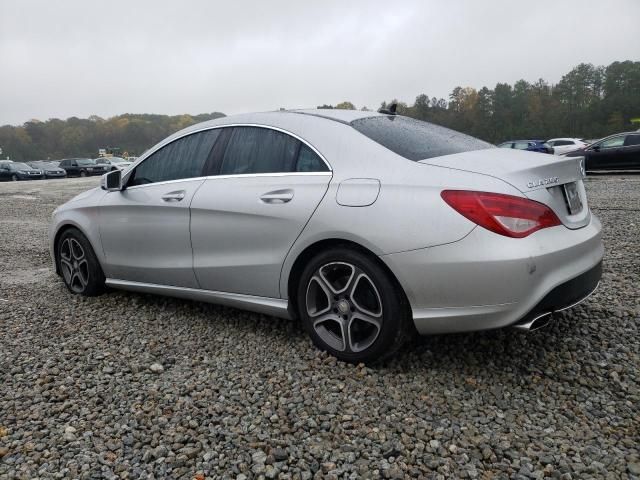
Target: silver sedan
point(367, 227)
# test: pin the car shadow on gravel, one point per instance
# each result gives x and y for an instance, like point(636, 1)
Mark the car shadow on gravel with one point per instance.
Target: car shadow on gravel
point(509, 349)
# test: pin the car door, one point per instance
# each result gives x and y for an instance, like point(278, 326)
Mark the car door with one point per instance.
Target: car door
point(563, 146)
point(5, 174)
point(606, 154)
point(245, 219)
point(145, 227)
point(631, 152)
point(66, 166)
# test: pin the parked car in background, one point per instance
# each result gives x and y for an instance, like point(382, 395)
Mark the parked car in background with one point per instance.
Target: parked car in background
point(19, 171)
point(564, 145)
point(529, 145)
point(616, 152)
point(82, 167)
point(49, 169)
point(365, 226)
point(114, 163)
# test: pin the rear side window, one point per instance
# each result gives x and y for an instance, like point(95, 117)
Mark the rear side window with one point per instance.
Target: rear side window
point(562, 143)
point(416, 140)
point(262, 150)
point(183, 158)
point(521, 145)
point(309, 161)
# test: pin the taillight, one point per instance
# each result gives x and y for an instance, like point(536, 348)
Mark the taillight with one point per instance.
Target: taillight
point(504, 214)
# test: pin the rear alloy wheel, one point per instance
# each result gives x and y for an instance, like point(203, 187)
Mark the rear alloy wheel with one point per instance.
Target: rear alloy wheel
point(78, 264)
point(351, 308)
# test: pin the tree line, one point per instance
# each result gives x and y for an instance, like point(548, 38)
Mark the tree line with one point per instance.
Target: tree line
point(588, 102)
point(82, 137)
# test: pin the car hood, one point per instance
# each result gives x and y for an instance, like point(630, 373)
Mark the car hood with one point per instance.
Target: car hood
point(527, 171)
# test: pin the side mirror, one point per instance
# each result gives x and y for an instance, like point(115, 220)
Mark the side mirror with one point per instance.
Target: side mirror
point(112, 181)
point(596, 148)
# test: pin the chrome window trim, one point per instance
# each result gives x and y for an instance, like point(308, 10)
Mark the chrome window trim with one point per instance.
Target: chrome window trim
point(147, 154)
point(237, 175)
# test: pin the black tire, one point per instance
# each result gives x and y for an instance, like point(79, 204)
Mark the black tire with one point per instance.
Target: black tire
point(83, 173)
point(14, 178)
point(81, 278)
point(395, 328)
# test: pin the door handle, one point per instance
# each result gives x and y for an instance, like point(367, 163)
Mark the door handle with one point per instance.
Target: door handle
point(173, 196)
point(277, 196)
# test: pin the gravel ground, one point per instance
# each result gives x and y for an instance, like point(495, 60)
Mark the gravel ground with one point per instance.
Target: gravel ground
point(138, 386)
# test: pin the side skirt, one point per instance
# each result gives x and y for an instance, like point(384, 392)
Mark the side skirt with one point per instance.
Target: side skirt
point(276, 307)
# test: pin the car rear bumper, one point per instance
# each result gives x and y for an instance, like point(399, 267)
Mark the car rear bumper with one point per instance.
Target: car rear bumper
point(489, 281)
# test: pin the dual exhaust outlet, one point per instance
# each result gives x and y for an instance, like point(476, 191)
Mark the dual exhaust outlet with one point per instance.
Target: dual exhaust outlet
point(537, 323)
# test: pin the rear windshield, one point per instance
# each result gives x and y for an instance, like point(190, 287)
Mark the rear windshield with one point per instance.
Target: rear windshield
point(414, 139)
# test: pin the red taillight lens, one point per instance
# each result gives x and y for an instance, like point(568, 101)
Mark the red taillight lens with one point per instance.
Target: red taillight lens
point(507, 215)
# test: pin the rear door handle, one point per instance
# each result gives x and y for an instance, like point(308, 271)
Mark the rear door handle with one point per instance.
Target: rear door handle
point(173, 196)
point(277, 196)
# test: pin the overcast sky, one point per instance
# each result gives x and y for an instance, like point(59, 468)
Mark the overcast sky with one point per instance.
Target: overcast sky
point(78, 58)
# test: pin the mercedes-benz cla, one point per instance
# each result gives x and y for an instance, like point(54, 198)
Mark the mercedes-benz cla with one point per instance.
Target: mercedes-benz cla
point(366, 227)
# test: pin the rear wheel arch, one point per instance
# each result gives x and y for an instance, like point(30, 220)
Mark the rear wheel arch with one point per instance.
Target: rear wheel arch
point(323, 245)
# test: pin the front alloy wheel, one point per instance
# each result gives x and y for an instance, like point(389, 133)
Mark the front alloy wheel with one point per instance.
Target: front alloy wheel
point(74, 265)
point(351, 307)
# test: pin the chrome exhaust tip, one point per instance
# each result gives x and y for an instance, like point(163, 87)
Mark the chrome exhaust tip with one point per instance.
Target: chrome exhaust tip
point(535, 324)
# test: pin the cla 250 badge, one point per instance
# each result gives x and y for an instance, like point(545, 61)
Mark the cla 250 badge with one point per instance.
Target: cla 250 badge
point(542, 182)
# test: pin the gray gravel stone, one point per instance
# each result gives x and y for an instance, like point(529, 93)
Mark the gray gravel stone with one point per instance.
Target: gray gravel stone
point(242, 395)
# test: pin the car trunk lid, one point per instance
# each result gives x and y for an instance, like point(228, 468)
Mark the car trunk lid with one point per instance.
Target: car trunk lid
point(549, 179)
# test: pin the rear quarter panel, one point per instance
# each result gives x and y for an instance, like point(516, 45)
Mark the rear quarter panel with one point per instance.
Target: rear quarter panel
point(408, 213)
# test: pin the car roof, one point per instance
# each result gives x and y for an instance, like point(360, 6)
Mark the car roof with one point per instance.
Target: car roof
point(289, 120)
point(281, 118)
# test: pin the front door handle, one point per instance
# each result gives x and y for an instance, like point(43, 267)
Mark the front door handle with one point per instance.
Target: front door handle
point(277, 196)
point(173, 196)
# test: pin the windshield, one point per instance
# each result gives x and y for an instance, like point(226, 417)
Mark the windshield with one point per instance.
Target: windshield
point(414, 139)
point(117, 160)
point(85, 161)
point(19, 166)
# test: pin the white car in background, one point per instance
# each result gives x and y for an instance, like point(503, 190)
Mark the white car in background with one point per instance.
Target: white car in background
point(116, 163)
point(565, 145)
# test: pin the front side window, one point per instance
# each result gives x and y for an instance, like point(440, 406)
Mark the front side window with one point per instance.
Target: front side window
point(416, 140)
point(259, 150)
point(521, 145)
point(506, 145)
point(612, 142)
point(183, 158)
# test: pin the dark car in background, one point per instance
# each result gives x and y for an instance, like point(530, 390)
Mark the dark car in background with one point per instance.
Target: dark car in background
point(19, 171)
point(616, 152)
point(529, 145)
point(82, 167)
point(49, 169)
